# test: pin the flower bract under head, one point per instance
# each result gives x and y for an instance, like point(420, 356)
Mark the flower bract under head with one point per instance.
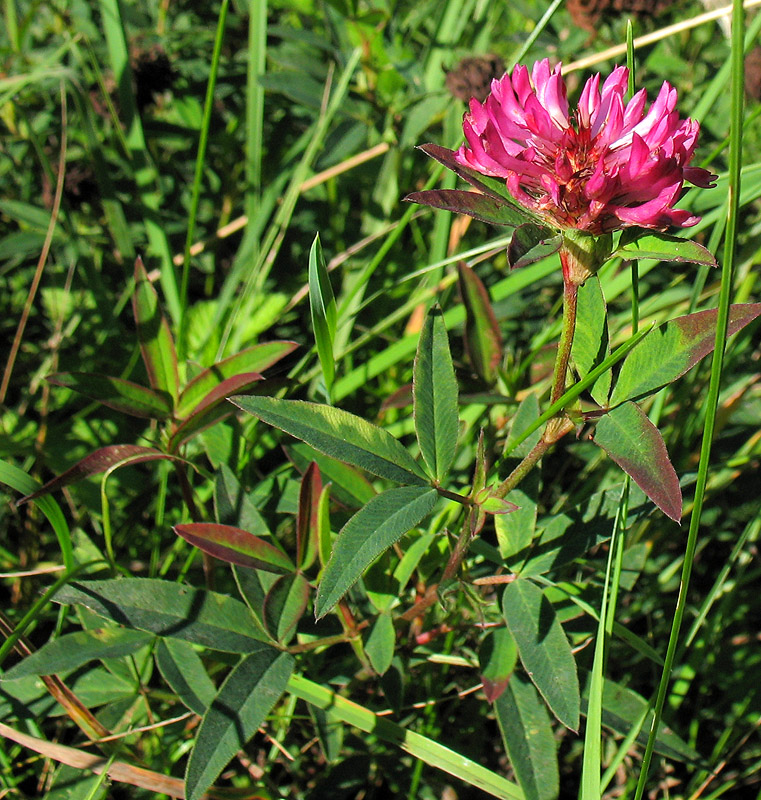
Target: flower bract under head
point(610, 166)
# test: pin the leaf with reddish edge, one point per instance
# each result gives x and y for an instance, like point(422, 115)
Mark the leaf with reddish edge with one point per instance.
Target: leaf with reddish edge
point(156, 342)
point(492, 187)
point(100, 460)
point(531, 243)
point(235, 546)
point(211, 408)
point(125, 396)
point(258, 358)
point(497, 657)
point(672, 349)
point(483, 341)
point(661, 246)
point(284, 606)
point(634, 443)
point(307, 520)
point(474, 204)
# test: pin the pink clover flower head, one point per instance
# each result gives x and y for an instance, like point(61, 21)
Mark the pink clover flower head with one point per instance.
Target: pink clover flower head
point(609, 166)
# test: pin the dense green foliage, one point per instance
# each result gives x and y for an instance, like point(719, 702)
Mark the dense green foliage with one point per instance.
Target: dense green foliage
point(316, 591)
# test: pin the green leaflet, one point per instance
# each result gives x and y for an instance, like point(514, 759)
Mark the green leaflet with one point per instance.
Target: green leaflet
point(156, 342)
point(543, 649)
point(245, 698)
point(435, 397)
point(383, 521)
point(72, 650)
point(182, 668)
point(662, 247)
point(125, 396)
point(169, 609)
point(635, 444)
point(671, 349)
point(529, 740)
point(339, 434)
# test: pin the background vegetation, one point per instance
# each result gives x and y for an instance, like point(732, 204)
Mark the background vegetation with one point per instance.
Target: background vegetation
point(215, 142)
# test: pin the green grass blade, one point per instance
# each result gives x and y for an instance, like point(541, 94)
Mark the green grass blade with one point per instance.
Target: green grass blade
point(421, 747)
point(19, 480)
point(144, 171)
point(198, 174)
point(711, 404)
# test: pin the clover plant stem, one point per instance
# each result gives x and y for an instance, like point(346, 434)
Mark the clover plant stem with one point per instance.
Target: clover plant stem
point(570, 297)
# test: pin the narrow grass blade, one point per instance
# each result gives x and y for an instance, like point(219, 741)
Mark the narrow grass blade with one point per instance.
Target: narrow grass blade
point(169, 609)
point(422, 747)
point(527, 732)
point(20, 481)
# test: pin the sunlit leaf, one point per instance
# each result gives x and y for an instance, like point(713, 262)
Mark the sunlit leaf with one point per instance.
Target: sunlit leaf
point(531, 243)
point(235, 546)
point(308, 520)
point(474, 204)
point(212, 407)
point(663, 247)
point(497, 657)
point(543, 649)
point(634, 443)
point(339, 434)
point(671, 349)
point(435, 397)
point(102, 459)
point(245, 698)
point(257, 359)
point(374, 528)
point(322, 305)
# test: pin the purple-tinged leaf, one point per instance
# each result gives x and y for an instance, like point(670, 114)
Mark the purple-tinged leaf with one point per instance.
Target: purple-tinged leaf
point(100, 460)
point(258, 358)
point(125, 396)
point(497, 657)
point(284, 606)
point(156, 343)
point(307, 520)
point(531, 243)
point(492, 187)
point(663, 247)
point(672, 349)
point(235, 546)
point(483, 341)
point(212, 408)
point(634, 443)
point(474, 204)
